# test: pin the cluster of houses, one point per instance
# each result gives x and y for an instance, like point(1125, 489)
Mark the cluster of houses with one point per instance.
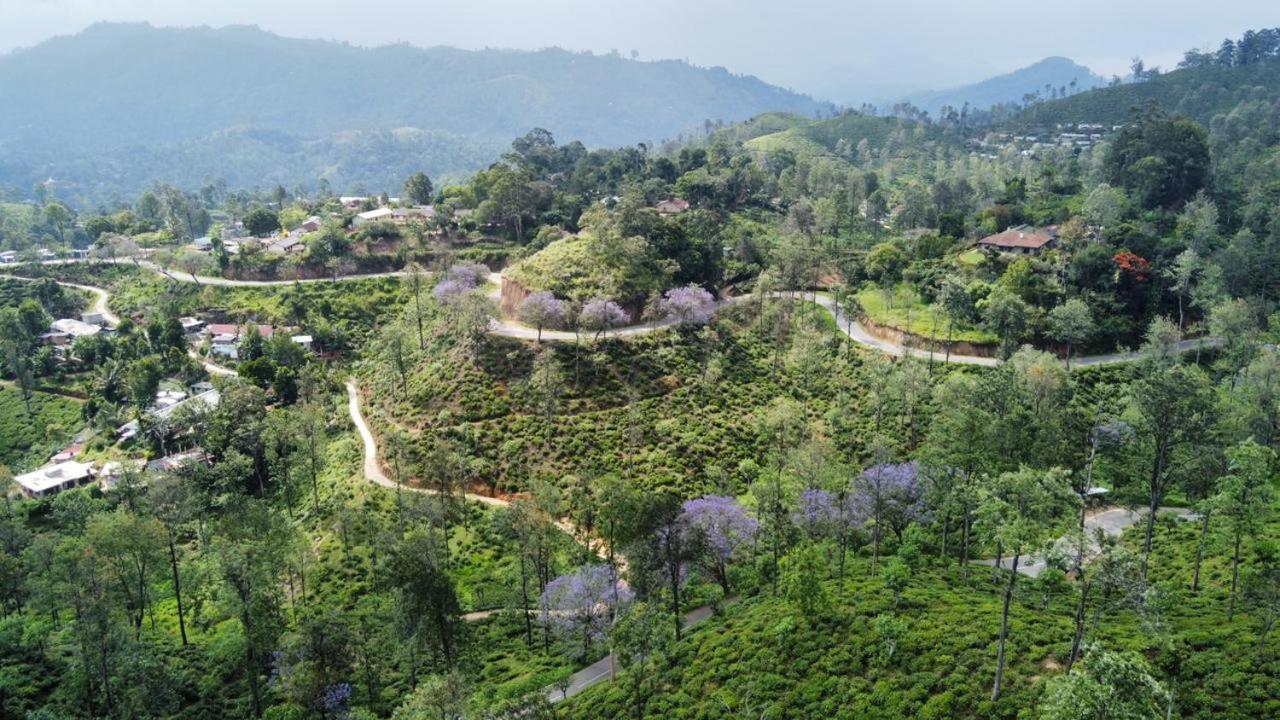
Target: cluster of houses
point(168, 402)
point(225, 338)
point(64, 471)
point(1077, 136)
point(44, 254)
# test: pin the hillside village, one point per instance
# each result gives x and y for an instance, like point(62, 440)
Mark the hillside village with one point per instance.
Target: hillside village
point(863, 415)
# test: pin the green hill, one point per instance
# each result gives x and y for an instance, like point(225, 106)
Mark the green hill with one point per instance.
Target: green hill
point(1050, 77)
point(1199, 93)
point(185, 105)
point(834, 136)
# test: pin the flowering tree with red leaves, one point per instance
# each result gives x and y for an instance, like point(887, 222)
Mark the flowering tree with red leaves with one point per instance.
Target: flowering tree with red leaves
point(1132, 264)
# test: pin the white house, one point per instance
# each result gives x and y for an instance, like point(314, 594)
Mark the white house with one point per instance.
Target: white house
point(46, 254)
point(203, 244)
point(53, 479)
point(8, 257)
point(66, 330)
point(365, 218)
point(305, 341)
point(93, 318)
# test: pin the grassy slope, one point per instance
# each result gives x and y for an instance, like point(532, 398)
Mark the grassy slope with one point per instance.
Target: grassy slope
point(819, 137)
point(923, 320)
point(26, 441)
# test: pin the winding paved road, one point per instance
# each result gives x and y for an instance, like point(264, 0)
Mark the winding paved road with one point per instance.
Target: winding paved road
point(849, 326)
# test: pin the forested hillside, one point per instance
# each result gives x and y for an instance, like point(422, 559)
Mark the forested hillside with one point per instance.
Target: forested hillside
point(255, 108)
point(859, 417)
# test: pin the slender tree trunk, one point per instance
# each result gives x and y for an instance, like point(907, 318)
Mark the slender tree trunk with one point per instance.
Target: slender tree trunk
point(1146, 543)
point(1204, 534)
point(964, 545)
point(1078, 637)
point(524, 596)
point(995, 572)
point(1235, 576)
point(1004, 629)
point(177, 589)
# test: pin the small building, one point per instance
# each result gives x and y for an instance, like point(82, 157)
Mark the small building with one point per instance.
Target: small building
point(372, 216)
point(111, 473)
point(190, 325)
point(167, 403)
point(306, 341)
point(311, 224)
point(672, 206)
point(68, 330)
point(1021, 240)
point(179, 461)
point(203, 244)
point(80, 253)
point(46, 254)
point(69, 452)
point(93, 318)
point(8, 257)
point(287, 245)
point(352, 201)
point(53, 479)
point(225, 338)
point(403, 215)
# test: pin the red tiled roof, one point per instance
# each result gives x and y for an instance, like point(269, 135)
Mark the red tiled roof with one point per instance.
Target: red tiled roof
point(1020, 237)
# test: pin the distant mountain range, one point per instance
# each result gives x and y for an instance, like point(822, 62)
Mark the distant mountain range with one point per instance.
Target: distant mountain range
point(1051, 78)
point(119, 105)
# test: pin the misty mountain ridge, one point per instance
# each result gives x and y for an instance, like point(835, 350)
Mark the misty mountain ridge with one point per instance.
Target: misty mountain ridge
point(93, 110)
point(1048, 79)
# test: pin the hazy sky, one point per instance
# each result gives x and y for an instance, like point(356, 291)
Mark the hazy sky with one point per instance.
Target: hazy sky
point(811, 45)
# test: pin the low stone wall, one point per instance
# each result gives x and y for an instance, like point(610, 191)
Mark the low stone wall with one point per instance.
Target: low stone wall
point(896, 335)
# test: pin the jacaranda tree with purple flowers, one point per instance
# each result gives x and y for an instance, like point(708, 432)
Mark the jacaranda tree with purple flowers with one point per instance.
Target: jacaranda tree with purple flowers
point(583, 604)
point(458, 281)
point(600, 315)
point(688, 305)
point(541, 309)
point(448, 290)
point(835, 515)
point(718, 528)
point(892, 495)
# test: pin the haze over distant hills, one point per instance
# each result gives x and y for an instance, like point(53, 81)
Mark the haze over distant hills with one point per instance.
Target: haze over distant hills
point(1049, 78)
point(109, 110)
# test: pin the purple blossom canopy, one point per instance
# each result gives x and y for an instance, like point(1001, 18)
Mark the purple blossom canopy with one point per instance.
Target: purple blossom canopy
point(467, 273)
point(542, 309)
point(893, 490)
point(584, 600)
point(820, 512)
point(689, 305)
point(448, 290)
point(600, 314)
point(721, 523)
point(458, 281)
